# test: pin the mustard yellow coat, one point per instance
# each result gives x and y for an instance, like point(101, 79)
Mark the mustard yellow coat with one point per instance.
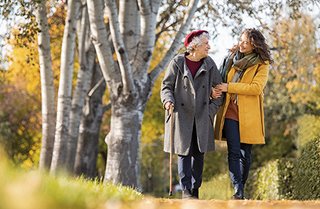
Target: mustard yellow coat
point(250, 104)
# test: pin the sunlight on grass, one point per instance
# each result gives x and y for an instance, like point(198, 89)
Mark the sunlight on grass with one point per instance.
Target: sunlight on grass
point(36, 190)
point(218, 188)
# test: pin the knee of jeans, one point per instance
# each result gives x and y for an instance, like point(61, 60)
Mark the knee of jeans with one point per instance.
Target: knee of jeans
point(233, 155)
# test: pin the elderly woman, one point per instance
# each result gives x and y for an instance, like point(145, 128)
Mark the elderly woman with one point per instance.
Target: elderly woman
point(187, 86)
point(241, 120)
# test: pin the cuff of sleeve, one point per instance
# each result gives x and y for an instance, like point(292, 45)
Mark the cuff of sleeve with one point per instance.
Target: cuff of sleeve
point(230, 88)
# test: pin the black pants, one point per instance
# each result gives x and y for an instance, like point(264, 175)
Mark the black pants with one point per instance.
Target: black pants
point(190, 167)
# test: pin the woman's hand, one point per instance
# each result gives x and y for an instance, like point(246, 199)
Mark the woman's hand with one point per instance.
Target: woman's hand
point(223, 87)
point(215, 92)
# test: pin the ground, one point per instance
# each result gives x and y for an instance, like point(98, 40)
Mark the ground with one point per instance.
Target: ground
point(152, 203)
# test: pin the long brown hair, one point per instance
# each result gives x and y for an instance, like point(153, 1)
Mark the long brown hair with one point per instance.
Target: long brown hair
point(258, 42)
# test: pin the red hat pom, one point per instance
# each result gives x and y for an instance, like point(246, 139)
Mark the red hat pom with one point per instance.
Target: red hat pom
point(191, 35)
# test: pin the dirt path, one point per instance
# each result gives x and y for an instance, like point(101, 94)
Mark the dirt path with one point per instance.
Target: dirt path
point(236, 204)
point(150, 203)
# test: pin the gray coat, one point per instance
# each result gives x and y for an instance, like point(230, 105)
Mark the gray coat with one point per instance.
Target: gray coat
point(192, 103)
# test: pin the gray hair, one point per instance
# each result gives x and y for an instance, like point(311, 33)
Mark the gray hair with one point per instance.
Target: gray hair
point(196, 41)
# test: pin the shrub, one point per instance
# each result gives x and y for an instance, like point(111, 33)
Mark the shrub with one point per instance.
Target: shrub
point(306, 181)
point(271, 181)
point(308, 129)
point(215, 163)
point(288, 178)
point(219, 187)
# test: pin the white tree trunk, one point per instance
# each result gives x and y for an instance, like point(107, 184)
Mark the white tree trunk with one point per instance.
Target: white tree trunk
point(123, 145)
point(122, 56)
point(65, 88)
point(130, 27)
point(127, 112)
point(127, 106)
point(102, 46)
point(148, 11)
point(87, 57)
point(47, 87)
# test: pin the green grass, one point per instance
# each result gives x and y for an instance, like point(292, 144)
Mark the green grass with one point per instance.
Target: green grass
point(218, 188)
point(37, 190)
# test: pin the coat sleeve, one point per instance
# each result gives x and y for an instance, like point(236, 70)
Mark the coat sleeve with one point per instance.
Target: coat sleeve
point(216, 79)
point(255, 87)
point(168, 84)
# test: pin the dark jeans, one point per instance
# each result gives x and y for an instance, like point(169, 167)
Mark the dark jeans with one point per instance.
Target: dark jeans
point(239, 155)
point(190, 167)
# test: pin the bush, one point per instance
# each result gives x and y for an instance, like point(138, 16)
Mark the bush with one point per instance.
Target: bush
point(219, 187)
point(288, 178)
point(215, 163)
point(306, 181)
point(271, 181)
point(276, 147)
point(308, 129)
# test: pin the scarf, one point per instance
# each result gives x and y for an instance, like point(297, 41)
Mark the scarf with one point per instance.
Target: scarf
point(240, 62)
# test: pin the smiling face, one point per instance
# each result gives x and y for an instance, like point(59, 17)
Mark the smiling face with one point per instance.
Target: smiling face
point(245, 44)
point(202, 50)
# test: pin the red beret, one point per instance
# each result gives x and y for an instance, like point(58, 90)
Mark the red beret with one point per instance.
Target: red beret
point(191, 35)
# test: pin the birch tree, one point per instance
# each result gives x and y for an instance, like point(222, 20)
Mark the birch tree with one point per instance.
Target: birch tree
point(88, 143)
point(47, 88)
point(130, 87)
point(65, 88)
point(87, 58)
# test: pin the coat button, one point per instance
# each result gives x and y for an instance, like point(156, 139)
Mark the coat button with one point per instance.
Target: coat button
point(204, 103)
point(182, 104)
point(203, 86)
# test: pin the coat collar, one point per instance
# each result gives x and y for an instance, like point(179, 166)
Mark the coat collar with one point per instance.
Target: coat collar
point(182, 66)
point(232, 72)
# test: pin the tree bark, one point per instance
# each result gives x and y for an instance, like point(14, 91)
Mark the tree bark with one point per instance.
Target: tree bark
point(148, 10)
point(130, 26)
point(121, 51)
point(127, 106)
point(65, 88)
point(87, 57)
point(123, 145)
point(47, 87)
point(127, 110)
point(87, 150)
point(103, 49)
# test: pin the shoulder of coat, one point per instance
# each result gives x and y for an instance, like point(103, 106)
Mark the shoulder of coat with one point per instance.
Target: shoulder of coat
point(210, 63)
point(264, 64)
point(179, 60)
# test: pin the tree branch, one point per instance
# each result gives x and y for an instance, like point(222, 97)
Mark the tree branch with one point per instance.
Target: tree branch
point(176, 42)
point(102, 46)
point(166, 28)
point(125, 68)
point(148, 11)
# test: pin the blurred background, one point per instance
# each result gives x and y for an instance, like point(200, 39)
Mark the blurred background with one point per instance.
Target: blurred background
point(287, 167)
